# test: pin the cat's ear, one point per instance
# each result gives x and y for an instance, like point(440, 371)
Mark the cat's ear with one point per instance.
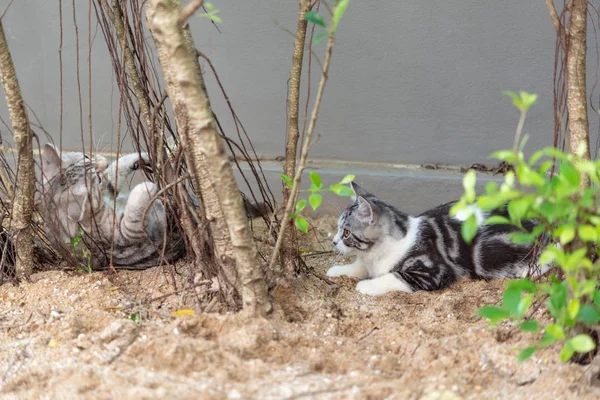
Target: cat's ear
point(50, 161)
point(358, 191)
point(367, 211)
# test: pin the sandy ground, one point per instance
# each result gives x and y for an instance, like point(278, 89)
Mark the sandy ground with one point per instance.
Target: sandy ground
point(70, 336)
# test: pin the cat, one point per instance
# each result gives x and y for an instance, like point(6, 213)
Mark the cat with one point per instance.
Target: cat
point(398, 252)
point(78, 196)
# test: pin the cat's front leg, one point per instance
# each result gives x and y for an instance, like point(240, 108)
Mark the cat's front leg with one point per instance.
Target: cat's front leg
point(355, 270)
point(386, 283)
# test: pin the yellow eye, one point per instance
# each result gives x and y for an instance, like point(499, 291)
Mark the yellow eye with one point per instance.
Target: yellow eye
point(346, 233)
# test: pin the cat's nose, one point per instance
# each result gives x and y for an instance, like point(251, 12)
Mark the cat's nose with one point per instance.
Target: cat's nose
point(335, 241)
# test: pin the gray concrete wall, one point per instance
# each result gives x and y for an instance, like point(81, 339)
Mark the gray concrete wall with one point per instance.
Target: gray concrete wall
point(411, 81)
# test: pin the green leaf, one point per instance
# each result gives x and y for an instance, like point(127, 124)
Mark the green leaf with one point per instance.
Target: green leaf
point(300, 205)
point(216, 19)
point(528, 99)
point(494, 314)
point(505, 155)
point(547, 339)
point(556, 331)
point(469, 184)
point(315, 200)
point(347, 179)
point(567, 235)
point(573, 308)
point(315, 18)
point(316, 179)
point(523, 284)
point(597, 298)
point(567, 352)
point(524, 305)
point(76, 240)
point(491, 187)
point(468, 229)
point(301, 224)
point(582, 343)
point(589, 314)
point(497, 220)
point(558, 298)
point(511, 299)
point(521, 237)
point(587, 233)
point(135, 317)
point(526, 353)
point(569, 173)
point(341, 190)
point(338, 12)
point(523, 101)
point(287, 180)
point(529, 177)
point(530, 326)
point(318, 37)
point(517, 209)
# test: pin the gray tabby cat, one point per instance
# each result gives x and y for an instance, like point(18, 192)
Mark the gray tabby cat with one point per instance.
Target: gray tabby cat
point(82, 197)
point(398, 252)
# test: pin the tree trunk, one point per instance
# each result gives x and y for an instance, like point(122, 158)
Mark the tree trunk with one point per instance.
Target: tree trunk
point(211, 172)
point(288, 251)
point(22, 202)
point(576, 83)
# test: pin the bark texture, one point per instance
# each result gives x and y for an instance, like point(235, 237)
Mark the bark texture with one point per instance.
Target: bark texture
point(22, 202)
point(576, 73)
point(206, 158)
point(288, 250)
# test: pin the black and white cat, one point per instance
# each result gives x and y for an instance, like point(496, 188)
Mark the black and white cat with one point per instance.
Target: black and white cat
point(398, 252)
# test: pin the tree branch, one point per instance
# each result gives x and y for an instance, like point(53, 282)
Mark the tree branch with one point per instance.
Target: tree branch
point(189, 10)
point(304, 152)
point(288, 253)
point(22, 204)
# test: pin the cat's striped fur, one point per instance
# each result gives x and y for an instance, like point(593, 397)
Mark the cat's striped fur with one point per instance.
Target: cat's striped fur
point(396, 251)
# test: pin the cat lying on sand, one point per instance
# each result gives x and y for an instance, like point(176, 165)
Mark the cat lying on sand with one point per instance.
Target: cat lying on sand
point(82, 197)
point(398, 252)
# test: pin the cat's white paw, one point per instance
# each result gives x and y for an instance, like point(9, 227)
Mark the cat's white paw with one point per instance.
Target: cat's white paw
point(382, 285)
point(352, 270)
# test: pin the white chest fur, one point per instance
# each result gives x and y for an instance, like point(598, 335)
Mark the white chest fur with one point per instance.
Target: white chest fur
point(384, 256)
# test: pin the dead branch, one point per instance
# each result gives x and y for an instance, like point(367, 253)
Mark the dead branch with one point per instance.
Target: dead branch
point(22, 204)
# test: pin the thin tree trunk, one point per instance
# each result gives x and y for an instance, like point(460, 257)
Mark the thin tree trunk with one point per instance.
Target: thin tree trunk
point(22, 204)
point(204, 149)
point(288, 250)
point(576, 83)
point(286, 221)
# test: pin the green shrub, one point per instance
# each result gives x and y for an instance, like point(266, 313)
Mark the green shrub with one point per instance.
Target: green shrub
point(569, 215)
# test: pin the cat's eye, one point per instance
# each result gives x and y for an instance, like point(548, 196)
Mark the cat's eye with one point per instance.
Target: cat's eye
point(346, 233)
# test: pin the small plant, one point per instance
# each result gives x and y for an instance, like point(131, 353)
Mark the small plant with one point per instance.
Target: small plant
point(319, 20)
point(80, 247)
point(315, 198)
point(569, 215)
point(211, 13)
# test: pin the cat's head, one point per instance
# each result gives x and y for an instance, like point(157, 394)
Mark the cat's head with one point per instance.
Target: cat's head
point(362, 224)
point(73, 181)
